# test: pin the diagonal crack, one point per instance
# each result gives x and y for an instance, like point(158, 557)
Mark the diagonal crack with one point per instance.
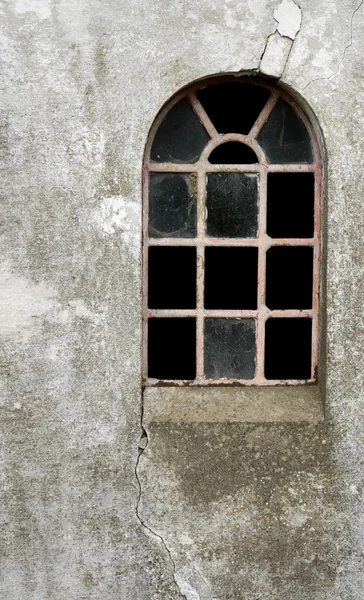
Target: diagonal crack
point(345, 49)
point(292, 36)
point(143, 443)
point(264, 49)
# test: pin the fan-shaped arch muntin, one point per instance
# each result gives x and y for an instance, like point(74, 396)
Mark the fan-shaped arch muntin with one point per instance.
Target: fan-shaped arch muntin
point(283, 140)
point(277, 98)
point(232, 151)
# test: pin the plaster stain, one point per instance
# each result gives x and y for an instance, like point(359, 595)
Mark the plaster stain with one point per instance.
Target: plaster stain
point(42, 8)
point(21, 302)
point(121, 216)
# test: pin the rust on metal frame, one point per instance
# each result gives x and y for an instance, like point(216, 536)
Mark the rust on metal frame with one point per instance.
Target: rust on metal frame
point(263, 242)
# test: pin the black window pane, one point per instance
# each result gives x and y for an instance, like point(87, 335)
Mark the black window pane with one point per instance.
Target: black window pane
point(172, 277)
point(172, 348)
point(288, 348)
point(231, 278)
point(284, 137)
point(181, 137)
point(232, 106)
point(172, 205)
point(233, 153)
point(230, 348)
point(289, 277)
point(290, 205)
point(232, 205)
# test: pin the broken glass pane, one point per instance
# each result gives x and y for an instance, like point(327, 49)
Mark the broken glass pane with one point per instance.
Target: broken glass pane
point(172, 277)
point(288, 348)
point(233, 153)
point(230, 348)
point(289, 277)
point(172, 348)
point(233, 106)
point(172, 205)
point(232, 205)
point(180, 137)
point(238, 267)
point(284, 137)
point(290, 205)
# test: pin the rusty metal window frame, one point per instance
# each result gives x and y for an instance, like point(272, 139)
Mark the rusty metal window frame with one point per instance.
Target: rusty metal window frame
point(263, 242)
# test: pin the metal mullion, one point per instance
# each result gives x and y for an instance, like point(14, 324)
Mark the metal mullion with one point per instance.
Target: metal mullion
point(231, 242)
point(263, 115)
point(261, 275)
point(289, 314)
point(171, 242)
point(171, 312)
point(145, 250)
point(316, 273)
point(202, 115)
point(292, 168)
point(225, 168)
point(201, 203)
point(172, 167)
point(203, 165)
point(291, 242)
point(203, 242)
point(235, 314)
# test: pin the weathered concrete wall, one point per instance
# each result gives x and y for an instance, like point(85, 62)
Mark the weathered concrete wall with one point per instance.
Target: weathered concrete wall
point(238, 511)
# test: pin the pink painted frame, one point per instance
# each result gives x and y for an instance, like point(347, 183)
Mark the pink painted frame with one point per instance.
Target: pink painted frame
point(263, 242)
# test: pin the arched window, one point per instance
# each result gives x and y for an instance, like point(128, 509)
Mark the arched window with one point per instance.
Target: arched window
point(231, 238)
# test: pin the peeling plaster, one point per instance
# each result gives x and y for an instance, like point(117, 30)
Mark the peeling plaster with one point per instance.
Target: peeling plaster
point(275, 55)
point(279, 43)
point(288, 15)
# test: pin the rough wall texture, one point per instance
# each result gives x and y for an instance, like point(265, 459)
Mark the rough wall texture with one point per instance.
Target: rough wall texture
point(239, 512)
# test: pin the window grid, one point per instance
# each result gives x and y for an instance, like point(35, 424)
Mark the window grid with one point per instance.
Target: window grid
point(263, 242)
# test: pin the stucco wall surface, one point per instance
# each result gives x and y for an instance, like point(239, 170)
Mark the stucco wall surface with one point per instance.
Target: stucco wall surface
point(222, 511)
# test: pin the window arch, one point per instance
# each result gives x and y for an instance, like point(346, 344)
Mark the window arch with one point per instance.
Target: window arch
point(231, 229)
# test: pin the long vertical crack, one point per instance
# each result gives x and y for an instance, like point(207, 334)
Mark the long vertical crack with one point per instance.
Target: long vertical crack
point(344, 52)
point(143, 443)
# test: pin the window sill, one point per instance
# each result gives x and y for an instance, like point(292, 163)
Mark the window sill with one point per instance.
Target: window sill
point(243, 404)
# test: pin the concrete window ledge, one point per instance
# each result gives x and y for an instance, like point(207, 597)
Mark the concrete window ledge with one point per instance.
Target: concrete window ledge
point(243, 404)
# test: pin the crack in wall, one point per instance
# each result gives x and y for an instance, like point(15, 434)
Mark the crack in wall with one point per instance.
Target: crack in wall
point(143, 443)
point(264, 49)
point(279, 43)
point(344, 52)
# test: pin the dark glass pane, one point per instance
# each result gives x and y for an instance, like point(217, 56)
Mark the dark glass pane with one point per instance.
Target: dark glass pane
point(172, 277)
point(284, 138)
point(233, 153)
point(231, 278)
point(180, 137)
point(172, 348)
point(290, 205)
point(232, 106)
point(232, 205)
point(289, 277)
point(288, 348)
point(172, 205)
point(230, 348)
